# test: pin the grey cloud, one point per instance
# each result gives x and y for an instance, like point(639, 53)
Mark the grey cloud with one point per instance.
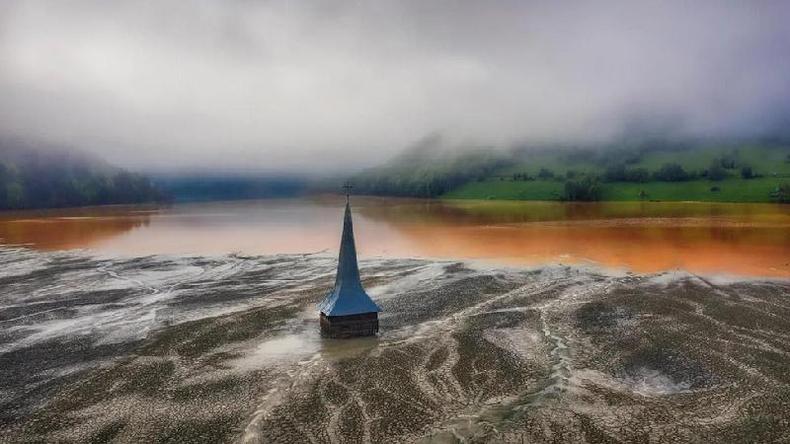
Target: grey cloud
point(309, 85)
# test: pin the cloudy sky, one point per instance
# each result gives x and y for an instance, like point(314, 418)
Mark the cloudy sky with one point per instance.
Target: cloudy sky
point(292, 85)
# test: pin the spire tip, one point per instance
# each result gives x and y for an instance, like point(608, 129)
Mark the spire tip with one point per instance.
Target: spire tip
point(348, 187)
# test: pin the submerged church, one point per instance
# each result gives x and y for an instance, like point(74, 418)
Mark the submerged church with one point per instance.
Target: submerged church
point(347, 311)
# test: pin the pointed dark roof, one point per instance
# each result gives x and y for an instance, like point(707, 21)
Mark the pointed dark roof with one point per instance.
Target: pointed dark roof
point(348, 297)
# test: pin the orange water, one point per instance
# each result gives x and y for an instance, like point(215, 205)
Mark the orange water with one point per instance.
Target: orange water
point(742, 239)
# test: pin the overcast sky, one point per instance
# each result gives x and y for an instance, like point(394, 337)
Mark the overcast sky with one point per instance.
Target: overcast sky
point(291, 85)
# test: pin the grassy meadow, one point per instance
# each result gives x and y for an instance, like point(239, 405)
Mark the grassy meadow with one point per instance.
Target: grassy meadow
point(730, 190)
point(769, 164)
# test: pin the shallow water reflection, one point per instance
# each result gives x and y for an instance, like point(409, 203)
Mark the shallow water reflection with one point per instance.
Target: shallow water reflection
point(744, 239)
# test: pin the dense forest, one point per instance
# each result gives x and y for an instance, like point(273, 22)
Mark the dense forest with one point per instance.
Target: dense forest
point(46, 177)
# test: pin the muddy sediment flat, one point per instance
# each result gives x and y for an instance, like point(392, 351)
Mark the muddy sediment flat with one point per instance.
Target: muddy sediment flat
point(226, 349)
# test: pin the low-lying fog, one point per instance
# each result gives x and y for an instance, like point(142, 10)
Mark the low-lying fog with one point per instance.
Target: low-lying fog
point(296, 86)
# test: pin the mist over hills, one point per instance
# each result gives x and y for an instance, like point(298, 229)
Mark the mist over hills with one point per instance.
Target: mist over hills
point(649, 166)
point(303, 87)
point(45, 176)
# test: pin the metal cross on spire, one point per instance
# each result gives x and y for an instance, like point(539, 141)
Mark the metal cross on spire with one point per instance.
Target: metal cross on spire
point(348, 187)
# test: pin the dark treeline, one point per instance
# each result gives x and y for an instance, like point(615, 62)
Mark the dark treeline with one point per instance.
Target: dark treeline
point(52, 178)
point(617, 165)
point(426, 171)
point(431, 170)
point(584, 189)
point(782, 193)
point(198, 188)
point(674, 172)
point(617, 162)
point(421, 177)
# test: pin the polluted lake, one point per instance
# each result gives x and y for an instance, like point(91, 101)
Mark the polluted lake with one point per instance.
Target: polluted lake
point(386, 222)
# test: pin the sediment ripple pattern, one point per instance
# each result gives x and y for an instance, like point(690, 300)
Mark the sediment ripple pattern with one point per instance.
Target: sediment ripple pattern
point(226, 349)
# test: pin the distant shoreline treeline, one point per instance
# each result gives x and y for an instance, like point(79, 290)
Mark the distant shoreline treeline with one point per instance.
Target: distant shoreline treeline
point(425, 178)
point(202, 188)
point(32, 178)
point(36, 178)
point(636, 171)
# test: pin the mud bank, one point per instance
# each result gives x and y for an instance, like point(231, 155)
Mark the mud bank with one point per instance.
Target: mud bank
point(196, 349)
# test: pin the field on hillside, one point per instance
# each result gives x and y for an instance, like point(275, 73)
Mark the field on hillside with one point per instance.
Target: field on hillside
point(769, 163)
point(498, 188)
point(729, 190)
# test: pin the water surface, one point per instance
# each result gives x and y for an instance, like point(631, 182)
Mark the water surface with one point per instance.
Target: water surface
point(740, 239)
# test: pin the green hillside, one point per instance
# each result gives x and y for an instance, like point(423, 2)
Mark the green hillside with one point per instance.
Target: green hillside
point(730, 190)
point(496, 188)
point(427, 170)
point(544, 175)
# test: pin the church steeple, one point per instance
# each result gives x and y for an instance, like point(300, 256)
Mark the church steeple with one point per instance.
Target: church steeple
point(348, 298)
point(347, 267)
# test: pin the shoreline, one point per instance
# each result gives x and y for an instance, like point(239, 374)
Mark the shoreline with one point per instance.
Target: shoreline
point(152, 206)
point(481, 264)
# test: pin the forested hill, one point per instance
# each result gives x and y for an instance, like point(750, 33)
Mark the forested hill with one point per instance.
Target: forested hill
point(732, 171)
point(428, 170)
point(36, 176)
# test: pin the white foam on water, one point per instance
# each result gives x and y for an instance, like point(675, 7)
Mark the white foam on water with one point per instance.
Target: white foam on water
point(524, 342)
point(279, 350)
point(649, 382)
point(153, 286)
point(424, 275)
point(645, 382)
point(667, 278)
point(21, 267)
